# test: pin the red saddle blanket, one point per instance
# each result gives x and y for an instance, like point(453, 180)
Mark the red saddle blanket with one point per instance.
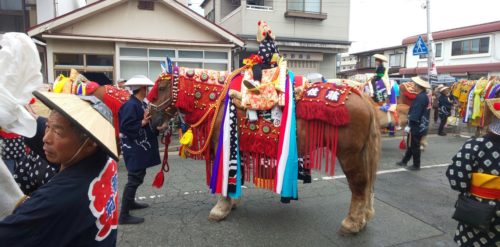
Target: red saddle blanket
point(325, 102)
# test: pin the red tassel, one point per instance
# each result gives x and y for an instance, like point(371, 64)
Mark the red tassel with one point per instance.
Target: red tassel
point(185, 98)
point(159, 179)
point(402, 144)
point(334, 116)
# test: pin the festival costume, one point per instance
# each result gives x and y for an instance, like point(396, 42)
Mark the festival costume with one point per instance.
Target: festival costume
point(418, 121)
point(380, 82)
point(11, 149)
point(477, 157)
point(140, 149)
point(267, 58)
point(33, 169)
point(69, 210)
point(445, 105)
point(80, 201)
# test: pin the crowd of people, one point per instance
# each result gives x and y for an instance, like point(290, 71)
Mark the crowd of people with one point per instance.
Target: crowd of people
point(68, 174)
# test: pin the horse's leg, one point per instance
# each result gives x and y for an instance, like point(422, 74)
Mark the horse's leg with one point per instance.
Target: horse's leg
point(221, 209)
point(359, 160)
point(224, 205)
point(360, 198)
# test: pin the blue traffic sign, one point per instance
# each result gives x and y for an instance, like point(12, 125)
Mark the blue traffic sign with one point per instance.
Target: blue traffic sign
point(420, 47)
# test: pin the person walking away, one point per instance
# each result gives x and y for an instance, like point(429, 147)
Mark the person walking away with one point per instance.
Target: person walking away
point(418, 120)
point(435, 102)
point(139, 145)
point(474, 173)
point(445, 104)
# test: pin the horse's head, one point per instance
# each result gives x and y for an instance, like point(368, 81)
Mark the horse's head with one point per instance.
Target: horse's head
point(162, 100)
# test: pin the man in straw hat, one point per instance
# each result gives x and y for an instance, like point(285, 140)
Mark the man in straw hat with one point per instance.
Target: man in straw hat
point(474, 172)
point(418, 124)
point(445, 104)
point(139, 145)
point(79, 205)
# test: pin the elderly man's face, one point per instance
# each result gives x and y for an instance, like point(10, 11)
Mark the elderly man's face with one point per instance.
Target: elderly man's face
point(61, 140)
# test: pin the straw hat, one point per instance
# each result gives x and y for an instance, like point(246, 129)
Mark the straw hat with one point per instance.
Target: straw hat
point(421, 82)
point(381, 57)
point(443, 88)
point(494, 107)
point(86, 112)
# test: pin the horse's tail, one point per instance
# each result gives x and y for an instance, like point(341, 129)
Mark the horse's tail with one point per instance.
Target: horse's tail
point(371, 150)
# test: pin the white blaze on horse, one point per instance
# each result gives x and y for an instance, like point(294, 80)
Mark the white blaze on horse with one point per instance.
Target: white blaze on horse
point(344, 126)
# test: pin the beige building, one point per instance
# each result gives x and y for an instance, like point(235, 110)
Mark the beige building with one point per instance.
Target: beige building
point(310, 33)
point(123, 38)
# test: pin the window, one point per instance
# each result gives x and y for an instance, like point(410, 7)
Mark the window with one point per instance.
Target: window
point(101, 63)
point(470, 46)
point(132, 68)
point(395, 60)
point(133, 52)
point(311, 6)
point(190, 54)
point(68, 59)
point(144, 61)
point(11, 16)
point(161, 53)
point(146, 5)
point(437, 51)
point(99, 60)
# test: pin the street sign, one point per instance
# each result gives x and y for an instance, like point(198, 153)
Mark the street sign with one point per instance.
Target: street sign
point(420, 47)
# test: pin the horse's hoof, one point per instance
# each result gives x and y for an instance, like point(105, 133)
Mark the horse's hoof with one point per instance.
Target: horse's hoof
point(351, 228)
point(370, 213)
point(235, 202)
point(221, 210)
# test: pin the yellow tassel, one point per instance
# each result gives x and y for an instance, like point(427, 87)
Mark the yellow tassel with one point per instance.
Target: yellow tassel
point(187, 138)
point(182, 152)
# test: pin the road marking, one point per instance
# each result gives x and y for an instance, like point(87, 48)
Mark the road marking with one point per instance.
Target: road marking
point(315, 179)
point(387, 171)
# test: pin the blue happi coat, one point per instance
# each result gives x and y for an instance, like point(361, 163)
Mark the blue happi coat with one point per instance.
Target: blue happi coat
point(139, 144)
point(418, 115)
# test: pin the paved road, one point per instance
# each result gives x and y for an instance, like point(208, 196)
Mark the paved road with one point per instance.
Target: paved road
point(412, 208)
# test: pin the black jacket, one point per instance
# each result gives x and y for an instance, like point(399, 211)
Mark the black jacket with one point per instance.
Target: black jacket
point(418, 115)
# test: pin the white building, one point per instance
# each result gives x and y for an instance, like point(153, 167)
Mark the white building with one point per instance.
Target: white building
point(347, 62)
point(123, 38)
point(467, 52)
point(310, 33)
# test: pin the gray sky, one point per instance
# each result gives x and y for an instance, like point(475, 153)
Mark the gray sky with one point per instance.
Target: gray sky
point(382, 23)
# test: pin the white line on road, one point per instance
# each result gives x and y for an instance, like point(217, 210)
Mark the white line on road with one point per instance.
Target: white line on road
point(387, 171)
point(322, 178)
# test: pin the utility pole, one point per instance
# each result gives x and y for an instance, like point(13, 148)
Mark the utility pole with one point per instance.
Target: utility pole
point(430, 56)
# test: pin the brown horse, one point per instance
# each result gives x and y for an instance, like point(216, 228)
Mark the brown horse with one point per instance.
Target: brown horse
point(358, 151)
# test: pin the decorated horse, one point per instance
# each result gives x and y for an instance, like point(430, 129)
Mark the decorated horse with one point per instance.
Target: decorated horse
point(320, 122)
point(471, 95)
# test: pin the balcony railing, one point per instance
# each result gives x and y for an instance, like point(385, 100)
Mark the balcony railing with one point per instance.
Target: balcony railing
point(259, 7)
